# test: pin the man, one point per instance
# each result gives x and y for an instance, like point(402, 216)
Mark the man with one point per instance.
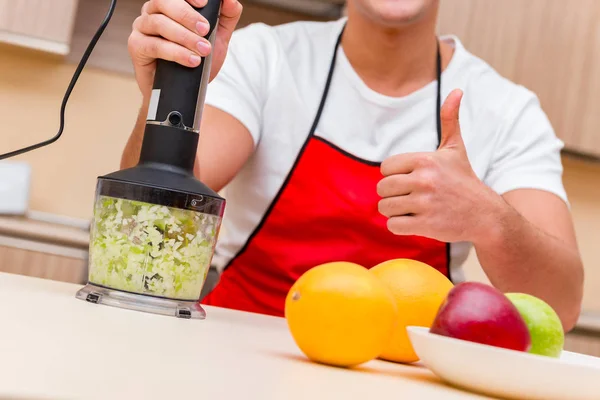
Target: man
point(332, 143)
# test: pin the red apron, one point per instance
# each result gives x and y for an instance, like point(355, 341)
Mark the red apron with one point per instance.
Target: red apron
point(326, 210)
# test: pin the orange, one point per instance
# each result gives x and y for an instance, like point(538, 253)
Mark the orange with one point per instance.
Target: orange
point(340, 314)
point(419, 290)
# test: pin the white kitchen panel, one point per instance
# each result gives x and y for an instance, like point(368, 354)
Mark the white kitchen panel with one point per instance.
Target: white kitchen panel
point(15, 182)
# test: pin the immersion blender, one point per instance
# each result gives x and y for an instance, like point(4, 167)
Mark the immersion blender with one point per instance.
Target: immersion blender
point(155, 225)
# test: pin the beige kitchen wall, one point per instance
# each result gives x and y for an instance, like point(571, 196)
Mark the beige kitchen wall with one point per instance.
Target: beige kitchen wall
point(101, 114)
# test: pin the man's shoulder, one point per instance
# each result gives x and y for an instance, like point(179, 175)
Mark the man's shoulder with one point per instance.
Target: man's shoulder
point(487, 87)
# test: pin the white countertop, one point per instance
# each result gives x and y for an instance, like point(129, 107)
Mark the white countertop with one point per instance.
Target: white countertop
point(54, 346)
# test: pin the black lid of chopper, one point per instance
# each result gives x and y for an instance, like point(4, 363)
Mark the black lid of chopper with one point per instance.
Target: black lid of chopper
point(171, 137)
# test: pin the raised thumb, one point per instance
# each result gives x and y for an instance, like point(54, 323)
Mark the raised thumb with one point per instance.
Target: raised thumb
point(451, 136)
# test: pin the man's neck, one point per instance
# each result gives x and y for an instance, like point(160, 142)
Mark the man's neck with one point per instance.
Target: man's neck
point(393, 61)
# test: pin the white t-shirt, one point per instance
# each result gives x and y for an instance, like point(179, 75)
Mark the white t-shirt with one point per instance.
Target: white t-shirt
point(272, 82)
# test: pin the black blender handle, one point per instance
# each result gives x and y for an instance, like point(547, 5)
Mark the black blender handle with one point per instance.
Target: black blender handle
point(178, 92)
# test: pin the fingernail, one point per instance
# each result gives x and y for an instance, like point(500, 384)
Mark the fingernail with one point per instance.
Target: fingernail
point(204, 47)
point(195, 60)
point(202, 28)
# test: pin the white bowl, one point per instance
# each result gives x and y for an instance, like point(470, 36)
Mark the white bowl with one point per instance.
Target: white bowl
point(507, 373)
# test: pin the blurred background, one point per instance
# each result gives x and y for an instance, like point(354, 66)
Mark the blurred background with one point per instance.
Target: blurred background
point(550, 46)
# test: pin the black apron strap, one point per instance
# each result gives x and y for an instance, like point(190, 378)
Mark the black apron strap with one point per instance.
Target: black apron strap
point(438, 104)
point(327, 85)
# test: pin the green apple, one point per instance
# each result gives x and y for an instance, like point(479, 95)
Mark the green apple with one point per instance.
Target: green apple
point(545, 328)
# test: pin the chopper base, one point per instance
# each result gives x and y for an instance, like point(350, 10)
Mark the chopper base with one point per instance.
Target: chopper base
point(138, 302)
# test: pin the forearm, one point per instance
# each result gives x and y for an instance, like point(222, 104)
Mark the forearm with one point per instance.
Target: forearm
point(131, 153)
point(517, 256)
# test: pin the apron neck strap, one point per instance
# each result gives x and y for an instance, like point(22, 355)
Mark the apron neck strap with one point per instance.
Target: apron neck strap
point(327, 83)
point(438, 103)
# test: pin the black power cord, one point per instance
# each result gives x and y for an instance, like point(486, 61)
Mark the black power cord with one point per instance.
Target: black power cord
point(84, 59)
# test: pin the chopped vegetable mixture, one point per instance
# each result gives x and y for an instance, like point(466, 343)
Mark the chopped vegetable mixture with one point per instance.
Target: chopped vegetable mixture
point(151, 249)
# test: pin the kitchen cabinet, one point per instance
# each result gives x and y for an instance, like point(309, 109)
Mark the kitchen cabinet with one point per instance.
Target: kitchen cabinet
point(585, 338)
point(550, 46)
point(40, 24)
point(39, 264)
point(43, 249)
point(588, 344)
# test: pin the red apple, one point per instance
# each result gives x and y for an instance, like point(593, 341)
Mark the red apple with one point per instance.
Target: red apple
point(480, 313)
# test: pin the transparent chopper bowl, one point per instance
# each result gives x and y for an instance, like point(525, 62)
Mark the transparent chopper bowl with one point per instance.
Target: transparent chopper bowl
point(150, 257)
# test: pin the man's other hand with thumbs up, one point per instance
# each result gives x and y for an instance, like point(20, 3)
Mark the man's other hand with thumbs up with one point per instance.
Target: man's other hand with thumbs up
point(437, 194)
point(524, 239)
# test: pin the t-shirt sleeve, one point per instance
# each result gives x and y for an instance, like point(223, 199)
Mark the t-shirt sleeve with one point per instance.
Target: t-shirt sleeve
point(527, 153)
point(242, 86)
